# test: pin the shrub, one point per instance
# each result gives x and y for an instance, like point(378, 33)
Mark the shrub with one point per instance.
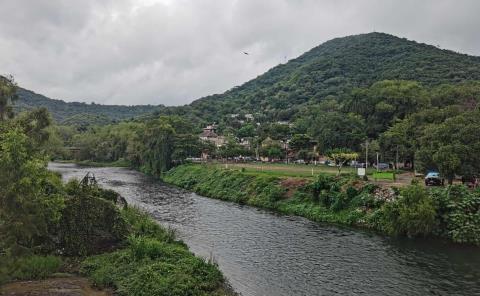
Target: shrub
point(140, 224)
point(88, 223)
point(322, 184)
point(459, 213)
point(152, 264)
point(339, 201)
point(412, 214)
point(365, 200)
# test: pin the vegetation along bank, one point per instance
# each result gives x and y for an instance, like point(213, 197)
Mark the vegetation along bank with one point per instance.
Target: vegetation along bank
point(48, 228)
point(452, 212)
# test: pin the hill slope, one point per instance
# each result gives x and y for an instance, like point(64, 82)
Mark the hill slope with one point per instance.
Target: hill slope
point(336, 67)
point(79, 113)
point(333, 68)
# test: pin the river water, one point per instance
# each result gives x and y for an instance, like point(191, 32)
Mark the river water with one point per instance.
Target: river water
point(262, 253)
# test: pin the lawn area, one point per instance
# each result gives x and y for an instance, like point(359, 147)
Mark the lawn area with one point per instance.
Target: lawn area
point(287, 170)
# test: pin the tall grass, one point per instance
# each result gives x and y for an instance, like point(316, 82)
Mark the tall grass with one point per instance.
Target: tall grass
point(28, 268)
point(153, 263)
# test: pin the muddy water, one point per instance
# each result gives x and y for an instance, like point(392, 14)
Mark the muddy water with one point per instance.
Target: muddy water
point(262, 253)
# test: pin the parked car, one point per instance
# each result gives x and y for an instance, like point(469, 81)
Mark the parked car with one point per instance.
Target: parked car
point(300, 161)
point(434, 179)
point(331, 163)
point(382, 166)
point(357, 164)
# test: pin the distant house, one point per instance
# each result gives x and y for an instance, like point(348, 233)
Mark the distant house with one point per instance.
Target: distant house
point(209, 135)
point(244, 142)
point(249, 116)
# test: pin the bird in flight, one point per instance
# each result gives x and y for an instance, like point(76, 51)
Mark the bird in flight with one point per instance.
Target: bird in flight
point(246, 53)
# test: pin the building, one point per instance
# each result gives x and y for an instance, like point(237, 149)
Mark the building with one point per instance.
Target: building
point(209, 134)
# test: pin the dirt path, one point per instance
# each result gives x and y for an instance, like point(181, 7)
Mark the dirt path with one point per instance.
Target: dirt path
point(72, 286)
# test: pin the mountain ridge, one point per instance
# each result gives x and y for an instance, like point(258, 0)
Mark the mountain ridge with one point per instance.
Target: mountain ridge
point(332, 68)
point(64, 111)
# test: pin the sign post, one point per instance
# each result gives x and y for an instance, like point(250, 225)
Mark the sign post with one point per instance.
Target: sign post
point(361, 172)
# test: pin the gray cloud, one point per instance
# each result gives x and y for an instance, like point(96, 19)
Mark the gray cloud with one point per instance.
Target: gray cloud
point(174, 51)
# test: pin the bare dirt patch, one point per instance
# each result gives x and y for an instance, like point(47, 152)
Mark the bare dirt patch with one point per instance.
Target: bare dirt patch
point(62, 286)
point(291, 185)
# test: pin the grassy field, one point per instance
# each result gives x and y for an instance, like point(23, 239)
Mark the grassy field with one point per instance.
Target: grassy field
point(287, 170)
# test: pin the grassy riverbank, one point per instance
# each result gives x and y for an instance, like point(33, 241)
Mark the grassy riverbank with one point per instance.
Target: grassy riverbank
point(153, 262)
point(118, 249)
point(452, 212)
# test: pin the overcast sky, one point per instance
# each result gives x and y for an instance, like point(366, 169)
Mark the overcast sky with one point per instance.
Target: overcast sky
point(174, 51)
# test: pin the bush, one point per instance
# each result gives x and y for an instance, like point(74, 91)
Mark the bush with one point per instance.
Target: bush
point(140, 224)
point(412, 214)
point(153, 264)
point(89, 223)
point(459, 213)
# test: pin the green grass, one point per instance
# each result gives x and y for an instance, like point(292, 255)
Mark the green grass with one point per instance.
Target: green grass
point(153, 263)
point(384, 176)
point(256, 189)
point(287, 170)
point(32, 267)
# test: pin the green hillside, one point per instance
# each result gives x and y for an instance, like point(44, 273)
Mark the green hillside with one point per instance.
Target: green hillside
point(333, 69)
point(330, 70)
point(413, 104)
point(79, 113)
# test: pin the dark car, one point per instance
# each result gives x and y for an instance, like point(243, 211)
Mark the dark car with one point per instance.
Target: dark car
point(382, 166)
point(434, 179)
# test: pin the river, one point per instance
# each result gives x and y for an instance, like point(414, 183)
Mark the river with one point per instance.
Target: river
point(262, 253)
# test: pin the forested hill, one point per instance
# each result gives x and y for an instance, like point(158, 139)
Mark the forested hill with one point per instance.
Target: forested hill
point(76, 113)
point(333, 69)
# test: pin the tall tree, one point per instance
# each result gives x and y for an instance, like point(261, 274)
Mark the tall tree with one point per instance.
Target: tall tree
point(8, 94)
point(159, 147)
point(452, 146)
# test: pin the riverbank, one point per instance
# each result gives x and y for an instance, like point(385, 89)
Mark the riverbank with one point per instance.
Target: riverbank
point(452, 213)
point(121, 163)
point(121, 251)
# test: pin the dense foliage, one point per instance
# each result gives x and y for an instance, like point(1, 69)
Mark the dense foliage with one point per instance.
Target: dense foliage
point(152, 146)
point(79, 114)
point(43, 220)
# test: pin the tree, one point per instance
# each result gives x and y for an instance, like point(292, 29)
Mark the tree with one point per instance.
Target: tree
point(452, 146)
point(341, 156)
point(385, 102)
point(246, 131)
point(300, 141)
point(158, 147)
point(8, 94)
point(30, 195)
point(279, 131)
point(333, 129)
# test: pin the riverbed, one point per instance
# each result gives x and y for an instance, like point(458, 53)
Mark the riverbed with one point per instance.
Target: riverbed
point(263, 253)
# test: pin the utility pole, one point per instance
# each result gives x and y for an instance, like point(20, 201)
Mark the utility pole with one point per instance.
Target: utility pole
point(396, 159)
point(377, 161)
point(366, 155)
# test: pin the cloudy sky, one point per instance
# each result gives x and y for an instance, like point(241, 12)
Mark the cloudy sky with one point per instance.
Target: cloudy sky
point(174, 51)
